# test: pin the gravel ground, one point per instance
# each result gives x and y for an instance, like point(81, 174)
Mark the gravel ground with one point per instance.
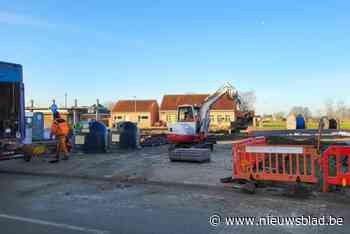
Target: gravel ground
point(150, 164)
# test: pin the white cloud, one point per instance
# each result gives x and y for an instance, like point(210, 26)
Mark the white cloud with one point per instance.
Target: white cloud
point(24, 20)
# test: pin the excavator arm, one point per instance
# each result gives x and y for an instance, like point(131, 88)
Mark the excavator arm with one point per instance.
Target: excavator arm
point(204, 112)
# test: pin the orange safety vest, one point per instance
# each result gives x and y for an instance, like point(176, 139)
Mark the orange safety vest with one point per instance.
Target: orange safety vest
point(60, 128)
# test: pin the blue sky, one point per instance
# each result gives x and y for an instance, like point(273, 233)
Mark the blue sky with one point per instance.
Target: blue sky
point(288, 52)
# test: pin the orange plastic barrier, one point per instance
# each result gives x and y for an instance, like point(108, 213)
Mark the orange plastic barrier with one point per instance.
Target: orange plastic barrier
point(254, 160)
point(335, 166)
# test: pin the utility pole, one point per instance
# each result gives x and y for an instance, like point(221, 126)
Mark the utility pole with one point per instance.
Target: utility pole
point(32, 105)
point(75, 112)
point(97, 108)
point(65, 100)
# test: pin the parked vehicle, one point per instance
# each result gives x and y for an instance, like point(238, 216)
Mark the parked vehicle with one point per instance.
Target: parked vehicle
point(12, 123)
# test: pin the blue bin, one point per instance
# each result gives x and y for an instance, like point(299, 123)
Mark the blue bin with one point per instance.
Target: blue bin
point(38, 126)
point(96, 140)
point(300, 122)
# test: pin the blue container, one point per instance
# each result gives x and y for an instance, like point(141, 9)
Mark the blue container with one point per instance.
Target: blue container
point(333, 124)
point(96, 140)
point(128, 135)
point(300, 122)
point(38, 126)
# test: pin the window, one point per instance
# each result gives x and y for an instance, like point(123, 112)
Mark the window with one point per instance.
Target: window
point(228, 118)
point(170, 118)
point(212, 119)
point(119, 117)
point(142, 118)
point(219, 118)
point(196, 110)
point(186, 114)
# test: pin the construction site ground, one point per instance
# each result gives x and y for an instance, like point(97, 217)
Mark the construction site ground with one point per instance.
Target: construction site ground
point(142, 192)
point(149, 164)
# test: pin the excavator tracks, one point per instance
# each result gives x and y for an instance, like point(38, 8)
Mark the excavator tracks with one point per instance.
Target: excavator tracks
point(198, 155)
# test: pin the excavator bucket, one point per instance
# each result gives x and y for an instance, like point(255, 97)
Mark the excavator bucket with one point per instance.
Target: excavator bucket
point(198, 155)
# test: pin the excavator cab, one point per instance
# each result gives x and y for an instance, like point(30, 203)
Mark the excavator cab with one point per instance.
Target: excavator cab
point(186, 129)
point(188, 113)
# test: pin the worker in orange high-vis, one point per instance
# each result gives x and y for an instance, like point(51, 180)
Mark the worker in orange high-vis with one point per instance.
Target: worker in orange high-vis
point(60, 130)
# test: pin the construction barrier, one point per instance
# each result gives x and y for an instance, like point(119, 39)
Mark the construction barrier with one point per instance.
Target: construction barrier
point(254, 160)
point(335, 166)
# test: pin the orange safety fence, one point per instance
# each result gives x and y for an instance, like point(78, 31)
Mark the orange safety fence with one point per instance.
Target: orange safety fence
point(253, 159)
point(335, 166)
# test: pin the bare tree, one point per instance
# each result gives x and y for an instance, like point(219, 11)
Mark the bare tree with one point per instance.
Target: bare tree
point(318, 113)
point(279, 115)
point(329, 107)
point(109, 105)
point(305, 111)
point(341, 110)
point(248, 101)
point(347, 114)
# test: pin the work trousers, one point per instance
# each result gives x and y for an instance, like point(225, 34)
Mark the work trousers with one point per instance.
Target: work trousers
point(61, 147)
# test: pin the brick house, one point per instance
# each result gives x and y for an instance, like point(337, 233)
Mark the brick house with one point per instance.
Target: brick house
point(143, 112)
point(221, 115)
